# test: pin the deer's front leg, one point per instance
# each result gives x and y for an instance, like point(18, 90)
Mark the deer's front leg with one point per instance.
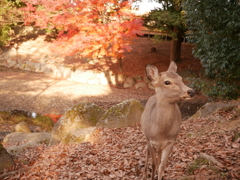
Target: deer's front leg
point(164, 157)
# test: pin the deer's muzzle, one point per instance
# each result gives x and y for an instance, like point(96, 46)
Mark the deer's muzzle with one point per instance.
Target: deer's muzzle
point(191, 93)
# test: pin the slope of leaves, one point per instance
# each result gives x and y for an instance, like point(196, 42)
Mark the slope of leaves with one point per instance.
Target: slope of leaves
point(119, 154)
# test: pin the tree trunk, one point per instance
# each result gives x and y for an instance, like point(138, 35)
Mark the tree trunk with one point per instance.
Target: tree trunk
point(176, 46)
point(120, 65)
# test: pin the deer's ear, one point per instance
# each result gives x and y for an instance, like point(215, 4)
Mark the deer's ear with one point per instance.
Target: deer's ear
point(172, 67)
point(152, 72)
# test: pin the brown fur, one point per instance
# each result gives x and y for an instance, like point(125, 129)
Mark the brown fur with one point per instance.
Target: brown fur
point(161, 118)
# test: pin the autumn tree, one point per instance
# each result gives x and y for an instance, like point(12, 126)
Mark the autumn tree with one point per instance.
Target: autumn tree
point(90, 28)
point(169, 19)
point(214, 29)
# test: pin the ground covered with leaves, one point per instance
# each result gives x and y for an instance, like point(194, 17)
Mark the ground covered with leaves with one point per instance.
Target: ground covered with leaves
point(206, 149)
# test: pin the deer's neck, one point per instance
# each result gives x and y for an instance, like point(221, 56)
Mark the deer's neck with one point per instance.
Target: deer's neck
point(167, 110)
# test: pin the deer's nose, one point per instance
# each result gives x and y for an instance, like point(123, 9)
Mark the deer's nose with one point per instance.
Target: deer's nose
point(191, 92)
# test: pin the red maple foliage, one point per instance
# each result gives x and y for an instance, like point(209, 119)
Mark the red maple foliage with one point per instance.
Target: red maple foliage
point(54, 117)
point(91, 28)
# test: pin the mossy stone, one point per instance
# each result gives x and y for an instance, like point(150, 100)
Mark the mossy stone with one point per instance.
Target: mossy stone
point(87, 113)
point(44, 122)
point(4, 115)
point(83, 115)
point(78, 135)
point(124, 114)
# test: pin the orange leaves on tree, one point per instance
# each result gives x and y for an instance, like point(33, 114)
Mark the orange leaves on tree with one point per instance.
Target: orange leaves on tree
point(87, 27)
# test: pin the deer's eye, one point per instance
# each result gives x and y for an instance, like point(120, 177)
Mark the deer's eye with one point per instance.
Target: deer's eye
point(167, 82)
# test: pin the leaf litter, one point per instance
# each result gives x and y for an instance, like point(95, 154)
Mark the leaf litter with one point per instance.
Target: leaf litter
point(206, 148)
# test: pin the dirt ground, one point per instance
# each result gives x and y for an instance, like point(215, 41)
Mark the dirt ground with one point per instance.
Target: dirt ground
point(40, 93)
point(134, 63)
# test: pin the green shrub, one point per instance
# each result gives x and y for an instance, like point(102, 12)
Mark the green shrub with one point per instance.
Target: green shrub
point(197, 84)
point(10, 15)
point(225, 90)
point(4, 34)
point(214, 28)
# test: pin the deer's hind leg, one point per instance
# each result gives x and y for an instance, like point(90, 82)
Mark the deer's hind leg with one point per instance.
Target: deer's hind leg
point(146, 162)
point(159, 157)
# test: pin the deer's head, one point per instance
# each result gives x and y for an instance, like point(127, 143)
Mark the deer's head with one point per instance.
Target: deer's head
point(169, 84)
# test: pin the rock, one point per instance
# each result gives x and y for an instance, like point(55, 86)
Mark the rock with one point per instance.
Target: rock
point(10, 56)
point(212, 107)
point(37, 129)
point(5, 159)
point(62, 71)
point(11, 63)
point(26, 140)
point(150, 86)
point(47, 68)
point(146, 80)
point(83, 115)
point(120, 78)
point(20, 137)
point(130, 81)
point(137, 78)
point(22, 127)
point(124, 114)
point(37, 67)
point(78, 135)
point(140, 85)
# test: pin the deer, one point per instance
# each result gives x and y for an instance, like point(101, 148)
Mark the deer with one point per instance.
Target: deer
point(161, 118)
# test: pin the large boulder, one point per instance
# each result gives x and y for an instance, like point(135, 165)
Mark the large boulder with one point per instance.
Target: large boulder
point(212, 107)
point(6, 160)
point(79, 135)
point(81, 116)
point(25, 140)
point(124, 114)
